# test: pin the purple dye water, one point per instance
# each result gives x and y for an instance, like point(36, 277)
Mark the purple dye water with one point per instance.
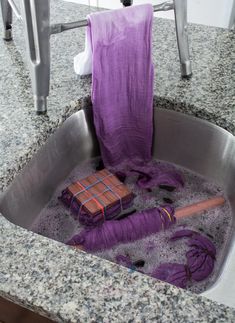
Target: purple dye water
point(55, 222)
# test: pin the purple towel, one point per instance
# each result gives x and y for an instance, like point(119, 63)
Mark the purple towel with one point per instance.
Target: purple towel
point(122, 82)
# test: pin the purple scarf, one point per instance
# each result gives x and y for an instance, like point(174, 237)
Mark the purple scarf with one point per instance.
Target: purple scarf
point(122, 82)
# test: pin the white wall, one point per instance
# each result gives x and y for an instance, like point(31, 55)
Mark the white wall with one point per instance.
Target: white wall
point(207, 12)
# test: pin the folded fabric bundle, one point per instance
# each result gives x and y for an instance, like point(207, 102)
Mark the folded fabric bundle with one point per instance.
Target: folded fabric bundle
point(199, 265)
point(122, 82)
point(113, 232)
point(97, 197)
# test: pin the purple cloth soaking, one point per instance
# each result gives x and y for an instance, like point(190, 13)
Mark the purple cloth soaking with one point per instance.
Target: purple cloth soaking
point(172, 273)
point(122, 82)
point(154, 175)
point(200, 260)
point(184, 233)
point(151, 175)
point(136, 226)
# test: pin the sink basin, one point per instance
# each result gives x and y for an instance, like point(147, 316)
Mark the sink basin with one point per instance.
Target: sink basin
point(191, 143)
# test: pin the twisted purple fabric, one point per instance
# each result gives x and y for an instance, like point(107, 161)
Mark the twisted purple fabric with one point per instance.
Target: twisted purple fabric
point(136, 226)
point(122, 82)
point(200, 261)
point(201, 256)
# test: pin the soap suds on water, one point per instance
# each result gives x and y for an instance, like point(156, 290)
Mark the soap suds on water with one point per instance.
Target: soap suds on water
point(55, 222)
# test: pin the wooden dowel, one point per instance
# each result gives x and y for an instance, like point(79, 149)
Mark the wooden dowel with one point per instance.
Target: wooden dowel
point(199, 207)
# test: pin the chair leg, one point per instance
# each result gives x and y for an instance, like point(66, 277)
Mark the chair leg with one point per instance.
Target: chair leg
point(7, 20)
point(36, 18)
point(180, 8)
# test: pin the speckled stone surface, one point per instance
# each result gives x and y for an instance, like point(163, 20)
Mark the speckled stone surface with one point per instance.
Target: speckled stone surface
point(71, 286)
point(50, 278)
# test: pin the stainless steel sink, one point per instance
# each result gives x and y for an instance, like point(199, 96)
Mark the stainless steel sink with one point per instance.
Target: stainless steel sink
point(192, 143)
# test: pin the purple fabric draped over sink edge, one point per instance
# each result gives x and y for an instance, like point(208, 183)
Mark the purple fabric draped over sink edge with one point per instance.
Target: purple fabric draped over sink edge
point(122, 82)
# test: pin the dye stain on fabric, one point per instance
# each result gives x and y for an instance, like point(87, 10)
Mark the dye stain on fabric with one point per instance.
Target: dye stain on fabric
point(55, 222)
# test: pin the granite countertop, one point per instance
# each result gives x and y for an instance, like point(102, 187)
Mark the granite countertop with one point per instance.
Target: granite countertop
point(50, 278)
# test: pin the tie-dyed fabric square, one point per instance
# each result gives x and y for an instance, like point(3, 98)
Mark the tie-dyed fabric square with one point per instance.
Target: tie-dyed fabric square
point(96, 198)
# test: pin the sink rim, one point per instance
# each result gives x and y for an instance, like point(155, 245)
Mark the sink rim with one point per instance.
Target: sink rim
point(168, 113)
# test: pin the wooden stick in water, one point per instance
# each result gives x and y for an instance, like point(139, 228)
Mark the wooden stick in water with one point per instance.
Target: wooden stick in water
point(199, 207)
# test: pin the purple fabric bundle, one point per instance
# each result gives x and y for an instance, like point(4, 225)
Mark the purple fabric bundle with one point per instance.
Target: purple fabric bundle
point(90, 220)
point(122, 82)
point(136, 226)
point(200, 261)
point(201, 256)
point(111, 213)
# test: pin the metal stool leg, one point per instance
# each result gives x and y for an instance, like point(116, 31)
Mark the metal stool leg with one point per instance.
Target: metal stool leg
point(127, 3)
point(180, 8)
point(36, 18)
point(7, 19)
